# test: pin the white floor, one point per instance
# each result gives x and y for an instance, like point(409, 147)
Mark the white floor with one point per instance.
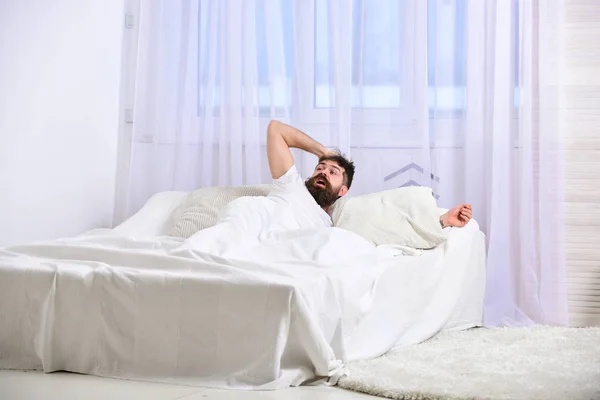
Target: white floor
point(34, 385)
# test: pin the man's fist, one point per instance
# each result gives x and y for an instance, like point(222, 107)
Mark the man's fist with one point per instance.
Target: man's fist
point(458, 216)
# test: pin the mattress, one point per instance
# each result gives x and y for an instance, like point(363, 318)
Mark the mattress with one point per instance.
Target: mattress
point(123, 303)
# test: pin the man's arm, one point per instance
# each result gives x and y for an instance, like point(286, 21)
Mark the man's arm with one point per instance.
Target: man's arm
point(280, 138)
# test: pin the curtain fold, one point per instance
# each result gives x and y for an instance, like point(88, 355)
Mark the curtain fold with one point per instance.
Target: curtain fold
point(459, 95)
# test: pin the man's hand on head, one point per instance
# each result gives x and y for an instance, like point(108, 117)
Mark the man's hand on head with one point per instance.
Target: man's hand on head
point(329, 152)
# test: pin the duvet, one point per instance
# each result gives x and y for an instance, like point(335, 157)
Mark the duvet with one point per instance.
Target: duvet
point(287, 309)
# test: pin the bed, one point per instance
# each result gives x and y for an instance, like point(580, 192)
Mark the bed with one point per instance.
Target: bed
point(125, 303)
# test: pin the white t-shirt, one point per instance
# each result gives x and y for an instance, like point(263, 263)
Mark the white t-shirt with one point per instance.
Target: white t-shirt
point(288, 206)
point(247, 220)
point(295, 204)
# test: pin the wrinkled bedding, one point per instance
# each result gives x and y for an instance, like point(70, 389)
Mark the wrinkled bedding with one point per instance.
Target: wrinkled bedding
point(290, 307)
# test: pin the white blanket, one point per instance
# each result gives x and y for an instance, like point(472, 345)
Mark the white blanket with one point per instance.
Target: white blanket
point(292, 307)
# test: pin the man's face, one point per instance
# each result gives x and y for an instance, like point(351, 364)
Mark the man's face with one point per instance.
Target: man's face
point(326, 184)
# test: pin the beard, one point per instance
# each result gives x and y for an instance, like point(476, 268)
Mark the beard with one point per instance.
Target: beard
point(324, 196)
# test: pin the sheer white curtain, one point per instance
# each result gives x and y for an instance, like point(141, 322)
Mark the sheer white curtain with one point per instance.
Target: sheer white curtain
point(459, 95)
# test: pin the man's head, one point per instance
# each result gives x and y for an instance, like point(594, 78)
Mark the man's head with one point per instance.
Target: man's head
point(331, 180)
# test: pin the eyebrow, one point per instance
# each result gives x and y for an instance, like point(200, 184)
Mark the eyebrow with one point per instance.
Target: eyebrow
point(332, 165)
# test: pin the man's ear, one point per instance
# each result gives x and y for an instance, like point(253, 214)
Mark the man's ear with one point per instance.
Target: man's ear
point(343, 190)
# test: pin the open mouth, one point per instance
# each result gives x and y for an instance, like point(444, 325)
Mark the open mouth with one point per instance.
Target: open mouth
point(321, 182)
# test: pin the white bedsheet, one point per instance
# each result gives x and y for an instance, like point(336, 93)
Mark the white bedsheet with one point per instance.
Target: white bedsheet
point(298, 307)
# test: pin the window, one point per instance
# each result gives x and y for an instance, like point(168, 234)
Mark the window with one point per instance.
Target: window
point(273, 45)
point(377, 55)
point(294, 48)
point(446, 87)
point(376, 50)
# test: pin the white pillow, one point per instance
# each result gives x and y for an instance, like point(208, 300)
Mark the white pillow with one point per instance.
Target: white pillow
point(200, 208)
point(405, 216)
point(153, 218)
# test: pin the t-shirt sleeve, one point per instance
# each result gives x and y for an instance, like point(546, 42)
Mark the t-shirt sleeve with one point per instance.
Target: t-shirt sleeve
point(290, 177)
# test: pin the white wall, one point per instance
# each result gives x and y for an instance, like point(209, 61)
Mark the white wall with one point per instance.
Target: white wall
point(60, 65)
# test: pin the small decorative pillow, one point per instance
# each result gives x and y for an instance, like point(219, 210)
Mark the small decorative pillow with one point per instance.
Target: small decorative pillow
point(200, 209)
point(405, 216)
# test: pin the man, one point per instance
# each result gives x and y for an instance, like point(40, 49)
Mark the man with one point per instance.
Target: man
point(308, 201)
point(291, 207)
point(331, 179)
point(293, 204)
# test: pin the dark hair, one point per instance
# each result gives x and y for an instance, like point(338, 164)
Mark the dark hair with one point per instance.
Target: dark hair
point(343, 162)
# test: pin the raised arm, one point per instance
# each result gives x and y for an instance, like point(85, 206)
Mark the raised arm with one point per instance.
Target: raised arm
point(280, 138)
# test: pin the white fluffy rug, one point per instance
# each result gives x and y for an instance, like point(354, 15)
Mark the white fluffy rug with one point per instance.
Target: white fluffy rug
point(519, 363)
